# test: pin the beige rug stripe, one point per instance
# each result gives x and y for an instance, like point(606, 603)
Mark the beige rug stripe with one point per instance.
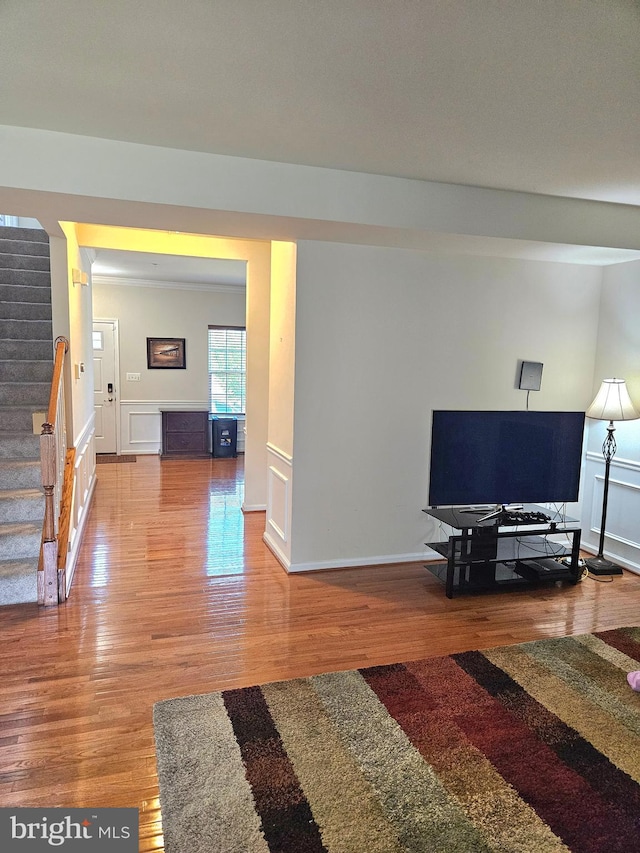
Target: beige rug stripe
point(404, 782)
point(508, 822)
point(591, 676)
point(592, 722)
point(211, 806)
point(608, 653)
point(346, 810)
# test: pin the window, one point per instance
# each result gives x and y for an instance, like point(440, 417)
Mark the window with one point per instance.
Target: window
point(227, 369)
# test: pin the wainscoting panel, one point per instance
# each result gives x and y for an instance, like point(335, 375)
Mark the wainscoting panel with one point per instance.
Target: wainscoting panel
point(622, 531)
point(141, 425)
point(278, 526)
point(84, 483)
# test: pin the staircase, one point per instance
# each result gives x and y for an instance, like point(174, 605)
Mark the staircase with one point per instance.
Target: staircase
point(26, 363)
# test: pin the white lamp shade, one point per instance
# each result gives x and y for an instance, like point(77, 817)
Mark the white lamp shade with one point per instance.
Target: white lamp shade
point(612, 402)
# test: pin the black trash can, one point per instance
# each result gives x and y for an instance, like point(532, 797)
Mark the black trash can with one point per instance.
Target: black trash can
point(224, 437)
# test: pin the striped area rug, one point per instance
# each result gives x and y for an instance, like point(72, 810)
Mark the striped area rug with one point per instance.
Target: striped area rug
point(531, 748)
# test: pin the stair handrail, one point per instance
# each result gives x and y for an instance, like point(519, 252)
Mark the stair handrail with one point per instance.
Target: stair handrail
point(53, 450)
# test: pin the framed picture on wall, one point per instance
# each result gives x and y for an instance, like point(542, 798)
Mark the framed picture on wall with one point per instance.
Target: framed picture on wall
point(166, 352)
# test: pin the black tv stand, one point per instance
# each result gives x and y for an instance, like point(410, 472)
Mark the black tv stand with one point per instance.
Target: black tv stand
point(486, 556)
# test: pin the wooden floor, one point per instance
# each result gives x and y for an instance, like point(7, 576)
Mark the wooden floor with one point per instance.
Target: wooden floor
point(175, 593)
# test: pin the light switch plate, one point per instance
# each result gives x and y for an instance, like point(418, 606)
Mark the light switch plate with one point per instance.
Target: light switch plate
point(133, 377)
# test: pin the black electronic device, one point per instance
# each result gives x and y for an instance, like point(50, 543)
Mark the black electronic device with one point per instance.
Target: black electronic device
point(505, 457)
point(513, 517)
point(530, 375)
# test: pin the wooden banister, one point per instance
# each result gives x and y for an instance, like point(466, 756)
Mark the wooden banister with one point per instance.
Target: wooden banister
point(53, 452)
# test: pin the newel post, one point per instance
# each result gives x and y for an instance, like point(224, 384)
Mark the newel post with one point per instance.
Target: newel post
point(48, 583)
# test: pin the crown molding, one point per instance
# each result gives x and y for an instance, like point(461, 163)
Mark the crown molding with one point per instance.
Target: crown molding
point(122, 281)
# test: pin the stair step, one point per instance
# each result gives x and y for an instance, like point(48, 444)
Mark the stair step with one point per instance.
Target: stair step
point(20, 474)
point(18, 541)
point(19, 505)
point(18, 581)
point(19, 445)
point(32, 278)
point(20, 418)
point(24, 293)
point(26, 330)
point(26, 235)
point(16, 370)
point(24, 393)
point(29, 350)
point(23, 261)
point(14, 310)
point(25, 247)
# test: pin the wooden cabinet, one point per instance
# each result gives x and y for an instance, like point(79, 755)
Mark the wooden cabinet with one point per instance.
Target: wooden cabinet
point(185, 434)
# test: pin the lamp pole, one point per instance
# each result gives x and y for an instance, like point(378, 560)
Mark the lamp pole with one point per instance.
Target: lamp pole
point(608, 451)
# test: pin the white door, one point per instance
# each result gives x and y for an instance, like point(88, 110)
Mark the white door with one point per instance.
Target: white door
point(104, 388)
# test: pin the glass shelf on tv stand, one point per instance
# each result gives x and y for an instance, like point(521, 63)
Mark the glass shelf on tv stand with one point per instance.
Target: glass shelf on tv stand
point(487, 555)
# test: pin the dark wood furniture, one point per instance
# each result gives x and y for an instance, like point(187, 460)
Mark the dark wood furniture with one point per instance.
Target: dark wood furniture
point(185, 434)
point(488, 555)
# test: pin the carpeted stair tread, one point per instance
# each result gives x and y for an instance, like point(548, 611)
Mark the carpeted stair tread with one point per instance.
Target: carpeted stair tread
point(19, 540)
point(32, 278)
point(21, 261)
point(20, 418)
point(24, 293)
point(20, 505)
point(25, 330)
point(20, 474)
point(25, 310)
point(18, 581)
point(24, 235)
point(18, 445)
point(28, 246)
point(23, 370)
point(24, 393)
point(29, 349)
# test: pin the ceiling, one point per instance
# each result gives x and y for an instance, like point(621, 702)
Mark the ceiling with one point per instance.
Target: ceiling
point(540, 97)
point(172, 269)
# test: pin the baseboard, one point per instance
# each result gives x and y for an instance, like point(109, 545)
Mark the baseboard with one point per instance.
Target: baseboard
point(254, 507)
point(360, 562)
point(275, 550)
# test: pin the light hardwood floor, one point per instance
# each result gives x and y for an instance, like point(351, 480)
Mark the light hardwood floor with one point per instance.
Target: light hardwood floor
point(175, 593)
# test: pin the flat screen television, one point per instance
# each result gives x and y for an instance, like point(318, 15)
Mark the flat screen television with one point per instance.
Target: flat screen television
point(505, 458)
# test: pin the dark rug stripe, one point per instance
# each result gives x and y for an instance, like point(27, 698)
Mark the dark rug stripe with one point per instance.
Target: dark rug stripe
point(625, 640)
point(287, 821)
point(583, 809)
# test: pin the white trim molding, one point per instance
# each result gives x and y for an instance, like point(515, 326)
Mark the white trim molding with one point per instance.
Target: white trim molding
point(84, 482)
point(277, 535)
point(361, 562)
point(210, 287)
point(622, 535)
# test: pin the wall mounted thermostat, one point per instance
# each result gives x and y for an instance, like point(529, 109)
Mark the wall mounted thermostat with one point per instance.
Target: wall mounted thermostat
point(530, 375)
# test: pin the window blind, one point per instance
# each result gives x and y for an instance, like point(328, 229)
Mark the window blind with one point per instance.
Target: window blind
point(227, 369)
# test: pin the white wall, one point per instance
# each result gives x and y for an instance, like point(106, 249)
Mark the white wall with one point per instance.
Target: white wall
point(618, 354)
point(383, 336)
point(281, 399)
point(180, 312)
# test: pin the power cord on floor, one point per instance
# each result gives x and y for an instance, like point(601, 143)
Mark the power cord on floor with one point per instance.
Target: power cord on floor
point(604, 579)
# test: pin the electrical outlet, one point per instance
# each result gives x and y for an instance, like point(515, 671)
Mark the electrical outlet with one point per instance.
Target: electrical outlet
point(133, 377)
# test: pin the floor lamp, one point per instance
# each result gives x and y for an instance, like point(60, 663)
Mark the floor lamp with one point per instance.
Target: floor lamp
point(612, 403)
